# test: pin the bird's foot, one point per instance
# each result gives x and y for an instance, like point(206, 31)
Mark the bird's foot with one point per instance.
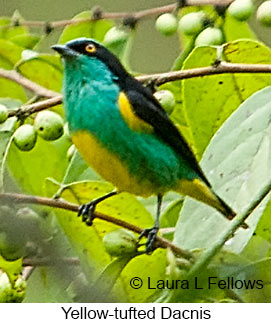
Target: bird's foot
point(151, 237)
point(87, 212)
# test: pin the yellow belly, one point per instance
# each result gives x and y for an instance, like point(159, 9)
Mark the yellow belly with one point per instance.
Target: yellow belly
point(109, 166)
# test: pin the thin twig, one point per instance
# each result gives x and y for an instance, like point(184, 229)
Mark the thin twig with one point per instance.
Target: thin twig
point(21, 198)
point(137, 15)
point(46, 261)
point(27, 110)
point(27, 84)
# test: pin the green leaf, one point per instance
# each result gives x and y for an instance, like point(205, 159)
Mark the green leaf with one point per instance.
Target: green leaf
point(264, 226)
point(170, 216)
point(89, 29)
point(144, 266)
point(108, 278)
point(237, 163)
point(256, 249)
point(46, 286)
point(208, 101)
point(43, 69)
point(232, 268)
point(258, 273)
point(78, 170)
point(10, 54)
point(6, 131)
point(235, 29)
point(7, 31)
point(10, 89)
point(12, 268)
point(46, 159)
point(28, 41)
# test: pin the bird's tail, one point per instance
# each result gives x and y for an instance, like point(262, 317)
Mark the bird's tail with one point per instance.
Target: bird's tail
point(200, 191)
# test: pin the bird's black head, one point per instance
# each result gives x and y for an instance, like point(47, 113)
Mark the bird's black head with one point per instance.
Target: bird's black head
point(94, 50)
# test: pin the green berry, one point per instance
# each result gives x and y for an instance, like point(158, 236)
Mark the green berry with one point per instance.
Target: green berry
point(25, 137)
point(71, 152)
point(120, 242)
point(166, 24)
point(209, 36)
point(241, 9)
point(264, 13)
point(9, 249)
point(192, 23)
point(49, 125)
point(114, 36)
point(27, 214)
point(3, 113)
point(166, 99)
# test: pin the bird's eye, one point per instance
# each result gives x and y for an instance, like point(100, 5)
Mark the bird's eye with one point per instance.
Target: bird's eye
point(90, 48)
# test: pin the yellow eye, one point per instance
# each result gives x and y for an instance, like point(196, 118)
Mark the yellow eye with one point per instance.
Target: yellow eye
point(90, 48)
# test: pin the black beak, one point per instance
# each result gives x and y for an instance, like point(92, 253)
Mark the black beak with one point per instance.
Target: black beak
point(64, 50)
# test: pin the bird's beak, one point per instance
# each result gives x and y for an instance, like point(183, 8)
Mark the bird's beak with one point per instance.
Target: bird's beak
point(64, 50)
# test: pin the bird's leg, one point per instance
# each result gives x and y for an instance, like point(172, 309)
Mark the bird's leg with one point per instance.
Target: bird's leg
point(152, 232)
point(87, 210)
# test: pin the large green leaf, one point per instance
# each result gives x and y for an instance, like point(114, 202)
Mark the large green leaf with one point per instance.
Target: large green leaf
point(237, 162)
point(27, 41)
point(43, 69)
point(208, 101)
point(9, 55)
point(89, 29)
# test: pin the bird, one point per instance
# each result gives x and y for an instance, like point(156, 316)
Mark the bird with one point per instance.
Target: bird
point(123, 132)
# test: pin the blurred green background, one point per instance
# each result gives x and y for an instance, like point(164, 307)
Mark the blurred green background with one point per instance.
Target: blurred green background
point(152, 52)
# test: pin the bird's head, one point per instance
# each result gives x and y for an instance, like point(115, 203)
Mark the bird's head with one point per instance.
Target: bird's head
point(88, 54)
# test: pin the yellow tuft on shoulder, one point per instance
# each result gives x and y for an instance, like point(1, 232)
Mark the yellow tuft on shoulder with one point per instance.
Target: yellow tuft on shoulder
point(132, 120)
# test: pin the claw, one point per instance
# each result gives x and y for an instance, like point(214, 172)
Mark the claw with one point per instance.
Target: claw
point(87, 212)
point(151, 237)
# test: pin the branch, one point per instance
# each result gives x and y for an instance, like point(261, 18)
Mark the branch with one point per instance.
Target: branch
point(27, 84)
point(27, 110)
point(21, 198)
point(136, 15)
point(222, 68)
point(46, 261)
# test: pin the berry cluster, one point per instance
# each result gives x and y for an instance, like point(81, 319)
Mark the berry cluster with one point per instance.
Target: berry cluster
point(197, 24)
point(47, 125)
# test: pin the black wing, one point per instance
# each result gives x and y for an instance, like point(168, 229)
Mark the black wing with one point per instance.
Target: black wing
point(147, 108)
